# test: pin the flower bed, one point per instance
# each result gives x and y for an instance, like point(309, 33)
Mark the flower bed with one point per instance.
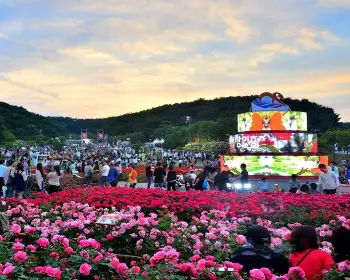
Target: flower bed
point(281, 208)
point(53, 237)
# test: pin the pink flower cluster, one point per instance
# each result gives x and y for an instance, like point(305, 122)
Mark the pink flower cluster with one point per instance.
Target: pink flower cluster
point(49, 271)
point(65, 242)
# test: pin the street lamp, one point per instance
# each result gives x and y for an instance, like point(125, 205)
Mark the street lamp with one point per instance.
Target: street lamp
point(188, 120)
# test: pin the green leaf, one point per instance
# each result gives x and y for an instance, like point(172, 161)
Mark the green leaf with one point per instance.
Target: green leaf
point(141, 278)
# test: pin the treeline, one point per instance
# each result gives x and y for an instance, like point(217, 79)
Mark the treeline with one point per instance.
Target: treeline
point(211, 119)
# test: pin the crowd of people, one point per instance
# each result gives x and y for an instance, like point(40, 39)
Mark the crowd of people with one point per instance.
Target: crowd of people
point(18, 172)
point(305, 251)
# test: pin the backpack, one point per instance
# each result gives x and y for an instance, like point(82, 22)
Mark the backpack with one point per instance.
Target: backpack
point(19, 183)
point(205, 185)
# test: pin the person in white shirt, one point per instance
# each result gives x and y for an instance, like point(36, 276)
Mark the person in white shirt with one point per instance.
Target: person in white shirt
point(2, 173)
point(104, 174)
point(328, 180)
point(54, 180)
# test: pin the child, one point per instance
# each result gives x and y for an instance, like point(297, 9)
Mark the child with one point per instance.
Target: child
point(314, 188)
point(132, 177)
point(304, 189)
point(263, 185)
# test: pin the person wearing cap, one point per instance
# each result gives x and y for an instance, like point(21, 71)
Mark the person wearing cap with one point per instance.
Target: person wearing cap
point(256, 253)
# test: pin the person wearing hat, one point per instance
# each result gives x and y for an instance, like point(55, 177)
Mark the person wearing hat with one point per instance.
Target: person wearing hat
point(256, 253)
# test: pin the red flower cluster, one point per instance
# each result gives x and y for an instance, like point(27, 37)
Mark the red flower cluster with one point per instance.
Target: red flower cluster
point(284, 208)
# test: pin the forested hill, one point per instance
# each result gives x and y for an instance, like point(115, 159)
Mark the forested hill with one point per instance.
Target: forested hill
point(211, 119)
point(17, 122)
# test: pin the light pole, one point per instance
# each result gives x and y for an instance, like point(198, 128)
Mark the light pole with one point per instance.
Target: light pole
point(188, 120)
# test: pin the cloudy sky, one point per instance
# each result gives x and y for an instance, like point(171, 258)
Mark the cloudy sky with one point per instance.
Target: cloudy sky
point(98, 58)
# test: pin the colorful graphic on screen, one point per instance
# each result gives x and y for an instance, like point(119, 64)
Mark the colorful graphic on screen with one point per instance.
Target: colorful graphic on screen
point(269, 143)
point(273, 121)
point(275, 165)
point(269, 102)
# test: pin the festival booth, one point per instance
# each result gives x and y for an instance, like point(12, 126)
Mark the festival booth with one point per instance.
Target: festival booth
point(273, 142)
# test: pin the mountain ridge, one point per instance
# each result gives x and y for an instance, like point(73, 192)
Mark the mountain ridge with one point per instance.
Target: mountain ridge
point(219, 114)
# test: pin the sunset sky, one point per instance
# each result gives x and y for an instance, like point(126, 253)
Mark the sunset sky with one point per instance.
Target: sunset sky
point(99, 58)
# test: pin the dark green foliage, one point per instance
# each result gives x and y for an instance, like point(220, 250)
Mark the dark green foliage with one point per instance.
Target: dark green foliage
point(26, 125)
point(211, 119)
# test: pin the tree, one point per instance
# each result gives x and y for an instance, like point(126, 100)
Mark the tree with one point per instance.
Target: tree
point(327, 140)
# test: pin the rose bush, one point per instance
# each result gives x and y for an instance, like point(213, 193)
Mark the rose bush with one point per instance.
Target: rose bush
point(56, 236)
point(278, 207)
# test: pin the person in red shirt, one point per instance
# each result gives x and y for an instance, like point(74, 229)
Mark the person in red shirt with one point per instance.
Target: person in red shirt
point(306, 253)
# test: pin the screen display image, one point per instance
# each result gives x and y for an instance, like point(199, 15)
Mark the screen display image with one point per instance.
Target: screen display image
point(283, 142)
point(273, 121)
point(275, 165)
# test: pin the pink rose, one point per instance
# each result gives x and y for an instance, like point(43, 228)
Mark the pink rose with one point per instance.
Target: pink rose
point(210, 264)
point(69, 250)
point(29, 229)
point(110, 237)
point(122, 268)
point(296, 271)
point(210, 258)
point(236, 266)
point(115, 262)
point(240, 239)
point(31, 248)
point(8, 269)
point(43, 242)
point(85, 269)
point(195, 258)
point(18, 246)
point(93, 243)
point(267, 273)
point(256, 274)
point(135, 270)
point(98, 258)
point(345, 265)
point(170, 240)
point(201, 264)
point(20, 257)
point(84, 243)
point(16, 229)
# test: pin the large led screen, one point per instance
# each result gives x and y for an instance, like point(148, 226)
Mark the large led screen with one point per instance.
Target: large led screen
point(275, 165)
point(281, 142)
point(273, 121)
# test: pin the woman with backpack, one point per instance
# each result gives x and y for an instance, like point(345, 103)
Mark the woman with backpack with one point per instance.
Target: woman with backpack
point(54, 180)
point(20, 179)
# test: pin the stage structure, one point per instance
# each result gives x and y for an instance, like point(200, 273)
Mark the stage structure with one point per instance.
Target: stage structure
point(273, 142)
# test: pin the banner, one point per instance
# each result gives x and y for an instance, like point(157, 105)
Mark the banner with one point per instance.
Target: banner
point(272, 121)
point(275, 165)
point(282, 142)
